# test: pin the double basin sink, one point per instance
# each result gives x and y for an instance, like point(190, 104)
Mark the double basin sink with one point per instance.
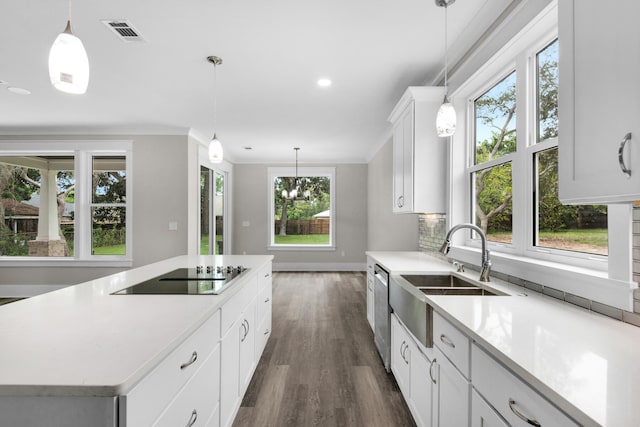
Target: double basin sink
point(406, 297)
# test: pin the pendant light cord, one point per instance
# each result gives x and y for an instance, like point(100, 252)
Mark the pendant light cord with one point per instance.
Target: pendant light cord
point(446, 59)
point(215, 97)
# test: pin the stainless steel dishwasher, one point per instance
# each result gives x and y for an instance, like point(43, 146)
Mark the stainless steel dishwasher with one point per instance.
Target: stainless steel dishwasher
point(382, 315)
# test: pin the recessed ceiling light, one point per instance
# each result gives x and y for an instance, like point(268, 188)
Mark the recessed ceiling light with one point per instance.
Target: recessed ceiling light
point(18, 90)
point(248, 148)
point(324, 82)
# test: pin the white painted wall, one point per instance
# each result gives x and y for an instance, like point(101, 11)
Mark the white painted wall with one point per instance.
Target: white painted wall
point(250, 207)
point(159, 196)
point(387, 231)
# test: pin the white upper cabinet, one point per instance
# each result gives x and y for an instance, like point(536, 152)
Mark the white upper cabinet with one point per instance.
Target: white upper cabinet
point(599, 101)
point(419, 155)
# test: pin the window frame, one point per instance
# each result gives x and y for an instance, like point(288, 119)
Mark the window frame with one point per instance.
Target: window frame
point(83, 152)
point(309, 171)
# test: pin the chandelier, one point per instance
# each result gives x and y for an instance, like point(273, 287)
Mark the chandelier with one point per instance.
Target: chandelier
point(295, 193)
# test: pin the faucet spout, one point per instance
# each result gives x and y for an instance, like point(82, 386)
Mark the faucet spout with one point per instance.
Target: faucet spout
point(485, 269)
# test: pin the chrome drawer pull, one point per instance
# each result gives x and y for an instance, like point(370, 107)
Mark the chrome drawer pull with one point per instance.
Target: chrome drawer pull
point(267, 332)
point(529, 421)
point(267, 300)
point(433, 362)
point(244, 333)
point(266, 275)
point(247, 327)
point(400, 201)
point(194, 417)
point(447, 341)
point(194, 357)
point(623, 167)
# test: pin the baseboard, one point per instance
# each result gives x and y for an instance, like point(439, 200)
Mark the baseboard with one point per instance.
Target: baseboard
point(26, 291)
point(319, 266)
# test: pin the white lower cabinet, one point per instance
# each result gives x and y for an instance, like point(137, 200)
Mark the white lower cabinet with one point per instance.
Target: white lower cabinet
point(514, 400)
point(483, 415)
point(453, 397)
point(411, 369)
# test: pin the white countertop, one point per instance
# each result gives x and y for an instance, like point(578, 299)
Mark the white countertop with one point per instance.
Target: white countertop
point(585, 363)
point(82, 341)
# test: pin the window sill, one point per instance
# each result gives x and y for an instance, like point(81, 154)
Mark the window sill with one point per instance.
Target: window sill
point(584, 282)
point(320, 248)
point(62, 262)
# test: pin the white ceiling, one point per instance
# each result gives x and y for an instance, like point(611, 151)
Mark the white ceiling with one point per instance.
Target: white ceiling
point(274, 51)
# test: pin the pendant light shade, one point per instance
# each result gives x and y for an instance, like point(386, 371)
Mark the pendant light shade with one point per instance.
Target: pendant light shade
point(446, 117)
point(215, 147)
point(215, 150)
point(68, 63)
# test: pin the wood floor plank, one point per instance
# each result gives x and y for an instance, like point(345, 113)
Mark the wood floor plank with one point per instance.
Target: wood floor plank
point(320, 366)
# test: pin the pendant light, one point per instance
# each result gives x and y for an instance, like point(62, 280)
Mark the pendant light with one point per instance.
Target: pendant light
point(68, 62)
point(295, 194)
point(215, 147)
point(446, 118)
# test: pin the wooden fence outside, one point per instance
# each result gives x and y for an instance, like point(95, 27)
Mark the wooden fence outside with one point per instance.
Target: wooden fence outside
point(305, 226)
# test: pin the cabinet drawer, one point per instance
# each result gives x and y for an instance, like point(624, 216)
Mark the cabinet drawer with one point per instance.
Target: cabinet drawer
point(233, 308)
point(147, 399)
point(198, 398)
point(483, 415)
point(264, 276)
point(510, 395)
point(453, 343)
point(264, 303)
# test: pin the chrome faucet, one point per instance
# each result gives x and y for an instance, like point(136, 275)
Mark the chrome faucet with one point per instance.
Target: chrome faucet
point(486, 262)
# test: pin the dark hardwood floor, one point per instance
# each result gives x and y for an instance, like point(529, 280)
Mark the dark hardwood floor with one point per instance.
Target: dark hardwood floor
point(320, 366)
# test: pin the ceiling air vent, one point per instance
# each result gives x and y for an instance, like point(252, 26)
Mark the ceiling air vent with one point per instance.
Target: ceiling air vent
point(124, 30)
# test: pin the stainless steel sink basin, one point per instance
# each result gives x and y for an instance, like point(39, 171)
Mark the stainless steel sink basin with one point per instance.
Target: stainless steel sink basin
point(436, 281)
point(406, 297)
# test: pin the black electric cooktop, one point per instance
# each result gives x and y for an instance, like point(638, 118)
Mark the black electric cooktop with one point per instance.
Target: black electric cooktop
point(199, 280)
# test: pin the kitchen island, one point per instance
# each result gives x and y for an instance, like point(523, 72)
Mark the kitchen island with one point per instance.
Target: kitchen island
point(583, 365)
point(72, 356)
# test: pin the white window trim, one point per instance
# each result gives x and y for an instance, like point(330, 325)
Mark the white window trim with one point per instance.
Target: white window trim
point(274, 172)
point(603, 279)
point(82, 150)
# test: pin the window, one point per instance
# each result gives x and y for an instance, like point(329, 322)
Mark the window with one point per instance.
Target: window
point(212, 187)
point(308, 220)
point(67, 204)
point(513, 175)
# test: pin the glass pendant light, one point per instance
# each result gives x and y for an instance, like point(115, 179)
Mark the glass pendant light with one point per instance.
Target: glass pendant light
point(215, 147)
point(446, 117)
point(68, 62)
point(295, 194)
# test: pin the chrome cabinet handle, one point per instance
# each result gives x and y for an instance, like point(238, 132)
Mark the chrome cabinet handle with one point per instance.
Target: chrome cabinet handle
point(404, 357)
point(244, 333)
point(623, 167)
point(433, 380)
point(267, 300)
point(528, 420)
point(267, 332)
point(447, 341)
point(247, 327)
point(402, 350)
point(192, 360)
point(193, 418)
point(400, 201)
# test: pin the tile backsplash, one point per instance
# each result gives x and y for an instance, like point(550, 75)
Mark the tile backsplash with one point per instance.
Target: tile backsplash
point(432, 229)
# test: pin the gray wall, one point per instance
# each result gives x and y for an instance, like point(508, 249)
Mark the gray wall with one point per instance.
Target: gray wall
point(159, 196)
point(251, 203)
point(387, 231)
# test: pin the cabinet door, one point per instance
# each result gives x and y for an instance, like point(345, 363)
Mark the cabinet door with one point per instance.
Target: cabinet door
point(370, 301)
point(403, 161)
point(421, 387)
point(400, 357)
point(247, 336)
point(599, 93)
point(453, 389)
point(483, 415)
point(229, 378)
